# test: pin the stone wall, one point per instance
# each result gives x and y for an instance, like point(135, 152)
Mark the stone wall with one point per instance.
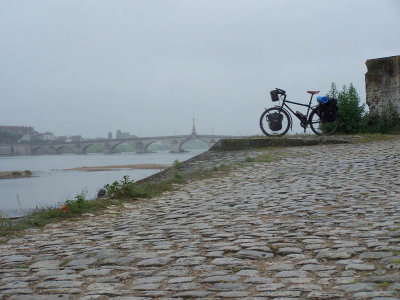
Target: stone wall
point(15, 150)
point(382, 84)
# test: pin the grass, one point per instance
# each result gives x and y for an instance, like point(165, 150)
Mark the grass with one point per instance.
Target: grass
point(272, 155)
point(44, 216)
point(373, 137)
point(396, 261)
point(236, 269)
point(383, 284)
point(394, 229)
point(249, 159)
point(23, 266)
point(267, 157)
point(64, 262)
point(274, 248)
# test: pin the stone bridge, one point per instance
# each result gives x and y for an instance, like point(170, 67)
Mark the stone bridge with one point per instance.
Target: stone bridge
point(141, 144)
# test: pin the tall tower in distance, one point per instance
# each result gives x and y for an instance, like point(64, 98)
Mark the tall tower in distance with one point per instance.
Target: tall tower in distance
point(194, 133)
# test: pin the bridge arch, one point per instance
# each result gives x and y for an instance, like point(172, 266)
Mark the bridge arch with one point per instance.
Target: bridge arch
point(115, 145)
point(67, 149)
point(158, 144)
point(143, 145)
point(84, 148)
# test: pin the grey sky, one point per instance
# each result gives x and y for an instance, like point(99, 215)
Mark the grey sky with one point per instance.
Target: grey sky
point(90, 66)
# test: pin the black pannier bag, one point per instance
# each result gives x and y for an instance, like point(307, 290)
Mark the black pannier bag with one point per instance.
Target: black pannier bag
point(275, 121)
point(328, 112)
point(274, 95)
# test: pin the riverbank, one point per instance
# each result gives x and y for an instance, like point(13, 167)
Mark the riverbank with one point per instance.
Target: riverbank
point(315, 222)
point(51, 185)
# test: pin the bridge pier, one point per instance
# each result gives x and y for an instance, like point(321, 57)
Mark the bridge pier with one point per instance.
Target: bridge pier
point(140, 147)
point(176, 147)
point(107, 148)
point(80, 149)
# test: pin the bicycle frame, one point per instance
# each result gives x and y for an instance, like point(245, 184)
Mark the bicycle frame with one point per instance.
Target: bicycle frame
point(309, 108)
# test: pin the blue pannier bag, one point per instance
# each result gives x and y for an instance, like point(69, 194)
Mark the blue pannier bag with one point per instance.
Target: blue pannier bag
point(322, 99)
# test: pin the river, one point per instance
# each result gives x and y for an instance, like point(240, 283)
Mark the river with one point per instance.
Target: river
point(51, 184)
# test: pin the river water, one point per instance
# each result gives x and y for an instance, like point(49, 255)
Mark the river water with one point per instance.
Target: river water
point(52, 185)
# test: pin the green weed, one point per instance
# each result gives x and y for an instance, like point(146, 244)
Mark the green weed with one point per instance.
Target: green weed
point(396, 261)
point(177, 164)
point(123, 189)
point(249, 159)
point(383, 284)
point(236, 269)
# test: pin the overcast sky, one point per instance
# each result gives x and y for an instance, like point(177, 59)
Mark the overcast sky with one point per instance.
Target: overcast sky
point(91, 66)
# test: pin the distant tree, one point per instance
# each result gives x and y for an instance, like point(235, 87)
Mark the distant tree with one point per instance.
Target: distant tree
point(8, 137)
point(351, 112)
point(333, 93)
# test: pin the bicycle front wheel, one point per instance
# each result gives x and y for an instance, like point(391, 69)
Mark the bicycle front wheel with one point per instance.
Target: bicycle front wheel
point(275, 122)
point(319, 127)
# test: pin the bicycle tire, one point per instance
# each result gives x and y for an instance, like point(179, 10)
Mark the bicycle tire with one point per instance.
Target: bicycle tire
point(322, 128)
point(265, 126)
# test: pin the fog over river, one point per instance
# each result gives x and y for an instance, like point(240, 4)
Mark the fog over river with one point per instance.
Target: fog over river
point(51, 184)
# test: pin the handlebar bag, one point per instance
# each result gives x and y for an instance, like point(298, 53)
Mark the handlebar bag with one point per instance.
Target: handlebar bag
point(274, 95)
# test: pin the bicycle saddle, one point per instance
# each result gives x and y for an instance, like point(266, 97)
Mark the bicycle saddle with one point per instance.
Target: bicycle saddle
point(313, 92)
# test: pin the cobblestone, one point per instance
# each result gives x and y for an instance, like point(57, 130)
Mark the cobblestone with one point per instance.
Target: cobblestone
point(319, 222)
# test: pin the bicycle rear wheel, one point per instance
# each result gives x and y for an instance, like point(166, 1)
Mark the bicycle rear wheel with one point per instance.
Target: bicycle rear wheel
point(274, 122)
point(319, 127)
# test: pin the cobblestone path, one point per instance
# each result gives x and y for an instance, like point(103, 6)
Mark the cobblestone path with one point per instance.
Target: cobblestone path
point(323, 222)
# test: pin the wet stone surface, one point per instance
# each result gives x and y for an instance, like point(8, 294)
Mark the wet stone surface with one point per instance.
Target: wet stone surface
point(321, 222)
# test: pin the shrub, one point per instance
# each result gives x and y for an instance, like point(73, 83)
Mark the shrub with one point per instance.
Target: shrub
point(78, 205)
point(389, 119)
point(178, 164)
point(123, 189)
point(351, 113)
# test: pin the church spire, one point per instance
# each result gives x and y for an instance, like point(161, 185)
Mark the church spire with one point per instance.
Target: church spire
point(194, 129)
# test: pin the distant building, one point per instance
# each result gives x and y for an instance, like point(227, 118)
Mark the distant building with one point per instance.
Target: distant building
point(124, 135)
point(76, 138)
point(110, 135)
point(47, 136)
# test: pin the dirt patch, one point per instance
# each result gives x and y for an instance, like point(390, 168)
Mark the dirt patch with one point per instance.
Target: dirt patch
point(14, 174)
